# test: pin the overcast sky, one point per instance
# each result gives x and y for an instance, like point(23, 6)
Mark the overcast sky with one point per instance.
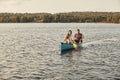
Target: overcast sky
point(55, 6)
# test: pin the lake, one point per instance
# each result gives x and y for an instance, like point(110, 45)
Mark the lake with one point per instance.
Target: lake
point(31, 51)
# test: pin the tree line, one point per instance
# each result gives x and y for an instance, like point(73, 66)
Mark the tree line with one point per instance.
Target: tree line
point(77, 17)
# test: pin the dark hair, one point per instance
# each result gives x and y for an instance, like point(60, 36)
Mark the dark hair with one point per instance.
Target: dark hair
point(78, 29)
point(70, 31)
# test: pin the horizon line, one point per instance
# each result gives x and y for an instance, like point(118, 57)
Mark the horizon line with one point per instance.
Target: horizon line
point(63, 12)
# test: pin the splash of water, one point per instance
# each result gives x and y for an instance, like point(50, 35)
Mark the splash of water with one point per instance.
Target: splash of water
point(102, 41)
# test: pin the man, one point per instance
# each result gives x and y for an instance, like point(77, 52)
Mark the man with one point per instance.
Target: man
point(78, 37)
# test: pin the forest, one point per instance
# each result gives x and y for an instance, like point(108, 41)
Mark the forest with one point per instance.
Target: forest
point(69, 17)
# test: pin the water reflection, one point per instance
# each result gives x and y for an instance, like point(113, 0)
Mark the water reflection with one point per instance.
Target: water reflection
point(71, 54)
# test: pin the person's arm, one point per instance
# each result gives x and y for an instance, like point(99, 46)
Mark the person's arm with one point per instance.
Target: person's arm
point(68, 41)
point(65, 38)
point(81, 40)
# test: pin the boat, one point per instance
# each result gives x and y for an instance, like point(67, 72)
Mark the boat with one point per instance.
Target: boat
point(65, 47)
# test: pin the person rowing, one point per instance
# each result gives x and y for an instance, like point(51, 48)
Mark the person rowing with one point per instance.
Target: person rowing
point(78, 38)
point(68, 38)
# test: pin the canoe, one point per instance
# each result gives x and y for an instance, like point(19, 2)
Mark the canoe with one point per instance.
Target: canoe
point(65, 46)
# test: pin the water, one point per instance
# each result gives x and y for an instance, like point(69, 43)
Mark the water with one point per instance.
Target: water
point(31, 52)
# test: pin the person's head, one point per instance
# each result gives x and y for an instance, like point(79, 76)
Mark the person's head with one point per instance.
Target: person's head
point(78, 30)
point(69, 32)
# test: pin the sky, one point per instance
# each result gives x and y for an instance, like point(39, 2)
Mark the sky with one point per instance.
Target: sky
point(57, 6)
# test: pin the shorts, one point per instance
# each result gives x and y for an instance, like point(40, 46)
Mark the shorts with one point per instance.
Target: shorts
point(76, 41)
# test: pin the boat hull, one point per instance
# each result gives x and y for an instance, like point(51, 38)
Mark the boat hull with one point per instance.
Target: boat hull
point(65, 47)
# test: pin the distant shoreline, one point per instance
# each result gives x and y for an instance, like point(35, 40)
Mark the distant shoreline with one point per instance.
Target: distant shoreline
point(58, 23)
point(70, 17)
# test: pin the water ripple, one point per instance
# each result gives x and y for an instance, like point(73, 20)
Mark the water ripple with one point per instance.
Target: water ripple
point(33, 53)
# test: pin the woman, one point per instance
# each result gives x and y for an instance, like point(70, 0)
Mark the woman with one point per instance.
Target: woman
point(68, 38)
